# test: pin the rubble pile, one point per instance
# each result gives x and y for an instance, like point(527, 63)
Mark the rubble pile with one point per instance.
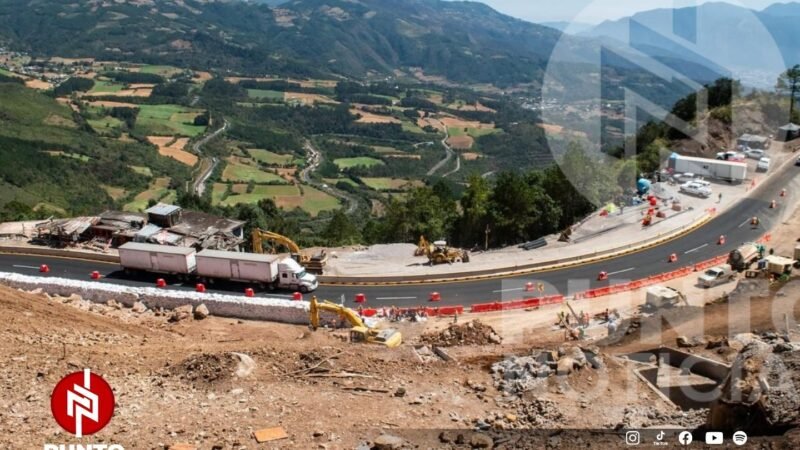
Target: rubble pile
point(470, 333)
point(747, 289)
point(647, 417)
point(206, 368)
point(518, 374)
point(760, 394)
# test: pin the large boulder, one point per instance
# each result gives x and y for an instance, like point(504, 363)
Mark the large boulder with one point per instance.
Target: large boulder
point(760, 394)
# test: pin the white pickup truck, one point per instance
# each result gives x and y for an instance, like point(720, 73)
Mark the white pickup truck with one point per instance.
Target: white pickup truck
point(716, 275)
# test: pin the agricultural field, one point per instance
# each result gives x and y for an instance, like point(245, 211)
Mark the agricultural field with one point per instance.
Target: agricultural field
point(333, 181)
point(115, 193)
point(366, 161)
point(264, 94)
point(164, 71)
point(391, 184)
point(174, 148)
point(246, 170)
point(106, 86)
point(285, 196)
point(81, 158)
point(105, 125)
point(142, 170)
point(269, 158)
point(158, 191)
point(168, 120)
point(307, 99)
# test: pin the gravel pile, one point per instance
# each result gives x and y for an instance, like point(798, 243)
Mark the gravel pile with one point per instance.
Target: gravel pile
point(644, 417)
point(470, 333)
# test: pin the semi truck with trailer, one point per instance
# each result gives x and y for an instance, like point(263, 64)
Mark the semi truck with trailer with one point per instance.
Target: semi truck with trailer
point(710, 168)
point(268, 271)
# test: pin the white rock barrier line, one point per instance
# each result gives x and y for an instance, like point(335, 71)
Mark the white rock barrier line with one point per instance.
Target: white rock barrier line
point(240, 307)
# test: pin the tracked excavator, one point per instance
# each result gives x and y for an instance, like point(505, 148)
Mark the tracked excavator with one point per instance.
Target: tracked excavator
point(359, 331)
point(313, 264)
point(439, 253)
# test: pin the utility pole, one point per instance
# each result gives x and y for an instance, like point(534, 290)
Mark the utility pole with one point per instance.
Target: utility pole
point(486, 238)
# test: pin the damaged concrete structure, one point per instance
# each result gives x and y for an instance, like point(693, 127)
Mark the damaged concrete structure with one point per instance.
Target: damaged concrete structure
point(162, 224)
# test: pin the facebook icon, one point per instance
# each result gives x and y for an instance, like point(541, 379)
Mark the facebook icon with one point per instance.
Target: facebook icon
point(685, 438)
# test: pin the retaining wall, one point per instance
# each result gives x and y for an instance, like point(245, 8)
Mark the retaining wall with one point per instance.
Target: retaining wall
point(254, 308)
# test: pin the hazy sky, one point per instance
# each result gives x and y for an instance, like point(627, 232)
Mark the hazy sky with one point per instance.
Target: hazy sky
point(598, 10)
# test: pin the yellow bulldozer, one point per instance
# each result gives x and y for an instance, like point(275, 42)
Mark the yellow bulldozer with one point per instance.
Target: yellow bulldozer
point(313, 263)
point(359, 331)
point(439, 253)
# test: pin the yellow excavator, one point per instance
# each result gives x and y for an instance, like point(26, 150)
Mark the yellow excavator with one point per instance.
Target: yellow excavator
point(359, 331)
point(314, 264)
point(439, 253)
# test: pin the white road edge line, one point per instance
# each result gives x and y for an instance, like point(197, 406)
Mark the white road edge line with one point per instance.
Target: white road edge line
point(695, 249)
point(395, 298)
point(508, 290)
point(621, 271)
point(25, 267)
point(744, 223)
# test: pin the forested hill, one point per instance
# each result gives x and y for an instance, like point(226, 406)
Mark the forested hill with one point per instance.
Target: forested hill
point(462, 41)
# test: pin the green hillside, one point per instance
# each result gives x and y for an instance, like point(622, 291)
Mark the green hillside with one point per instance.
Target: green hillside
point(49, 156)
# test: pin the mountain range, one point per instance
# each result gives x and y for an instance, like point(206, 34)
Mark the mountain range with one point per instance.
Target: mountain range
point(464, 42)
point(750, 45)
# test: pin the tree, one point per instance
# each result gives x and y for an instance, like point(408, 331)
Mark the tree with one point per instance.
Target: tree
point(341, 230)
point(475, 207)
point(789, 82)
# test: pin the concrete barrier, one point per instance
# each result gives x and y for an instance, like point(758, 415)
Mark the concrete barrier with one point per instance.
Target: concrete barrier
point(274, 310)
point(59, 253)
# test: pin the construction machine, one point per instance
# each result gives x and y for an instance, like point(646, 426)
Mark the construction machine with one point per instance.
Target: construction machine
point(313, 264)
point(439, 253)
point(359, 331)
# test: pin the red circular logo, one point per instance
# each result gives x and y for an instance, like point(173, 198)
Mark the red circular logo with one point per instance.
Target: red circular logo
point(82, 403)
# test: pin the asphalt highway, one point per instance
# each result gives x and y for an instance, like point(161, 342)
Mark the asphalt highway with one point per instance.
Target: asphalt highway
point(697, 246)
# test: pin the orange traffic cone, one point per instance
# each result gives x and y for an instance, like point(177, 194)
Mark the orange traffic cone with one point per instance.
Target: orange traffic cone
point(773, 204)
point(783, 192)
point(673, 258)
point(602, 276)
point(721, 240)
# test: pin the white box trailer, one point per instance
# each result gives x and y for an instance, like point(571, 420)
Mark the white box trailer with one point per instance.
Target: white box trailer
point(711, 168)
point(157, 258)
point(233, 266)
point(267, 270)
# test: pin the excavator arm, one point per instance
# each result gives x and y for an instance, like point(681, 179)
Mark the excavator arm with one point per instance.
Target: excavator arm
point(344, 312)
point(260, 236)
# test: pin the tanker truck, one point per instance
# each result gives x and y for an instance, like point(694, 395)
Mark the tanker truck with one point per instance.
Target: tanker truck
point(744, 256)
point(210, 266)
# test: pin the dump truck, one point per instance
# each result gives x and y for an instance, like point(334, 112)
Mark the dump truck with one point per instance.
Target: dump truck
point(662, 297)
point(743, 257)
point(716, 275)
point(178, 261)
point(268, 271)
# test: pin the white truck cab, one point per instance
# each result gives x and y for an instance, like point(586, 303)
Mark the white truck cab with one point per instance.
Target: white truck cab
point(291, 275)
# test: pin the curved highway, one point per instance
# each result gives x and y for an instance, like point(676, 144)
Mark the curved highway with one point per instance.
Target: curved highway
point(697, 246)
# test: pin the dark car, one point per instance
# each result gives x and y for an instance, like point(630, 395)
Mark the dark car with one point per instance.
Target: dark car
point(797, 163)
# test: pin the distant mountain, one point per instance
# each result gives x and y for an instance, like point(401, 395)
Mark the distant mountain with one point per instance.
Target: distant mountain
point(463, 41)
point(753, 45)
point(569, 27)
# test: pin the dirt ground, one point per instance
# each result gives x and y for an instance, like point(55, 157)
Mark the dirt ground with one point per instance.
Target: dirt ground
point(174, 148)
point(184, 383)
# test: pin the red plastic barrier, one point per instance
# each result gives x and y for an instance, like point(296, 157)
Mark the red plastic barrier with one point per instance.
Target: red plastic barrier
point(369, 312)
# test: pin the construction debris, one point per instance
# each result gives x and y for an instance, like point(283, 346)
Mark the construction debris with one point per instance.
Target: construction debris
point(760, 395)
point(270, 434)
point(518, 374)
point(470, 333)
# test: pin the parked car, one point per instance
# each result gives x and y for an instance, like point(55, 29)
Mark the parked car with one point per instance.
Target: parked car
point(698, 188)
point(763, 164)
point(797, 163)
point(731, 156)
point(754, 153)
